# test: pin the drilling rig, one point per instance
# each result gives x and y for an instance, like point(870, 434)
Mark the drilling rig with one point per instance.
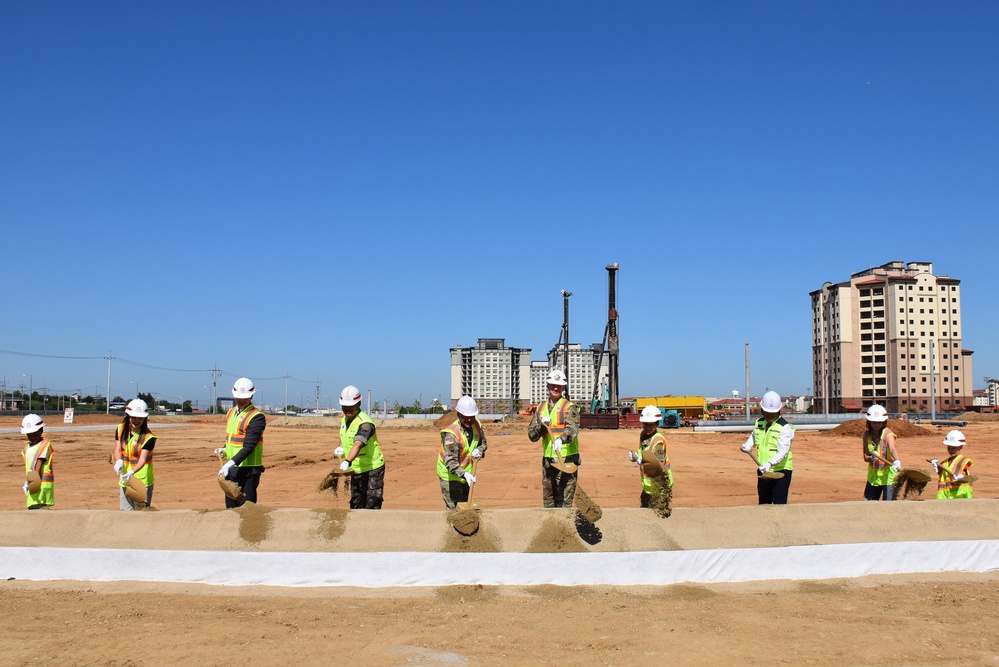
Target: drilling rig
point(606, 391)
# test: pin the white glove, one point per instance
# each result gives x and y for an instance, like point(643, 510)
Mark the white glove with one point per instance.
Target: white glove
point(118, 465)
point(936, 466)
point(338, 452)
point(958, 477)
point(765, 467)
point(469, 478)
point(344, 466)
point(557, 445)
point(476, 453)
point(546, 420)
point(896, 465)
point(226, 467)
point(25, 488)
point(632, 458)
point(747, 447)
point(219, 451)
point(127, 476)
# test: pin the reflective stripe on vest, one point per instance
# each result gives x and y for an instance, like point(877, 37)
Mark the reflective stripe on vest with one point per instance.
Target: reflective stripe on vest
point(370, 456)
point(466, 448)
point(557, 414)
point(765, 437)
point(235, 435)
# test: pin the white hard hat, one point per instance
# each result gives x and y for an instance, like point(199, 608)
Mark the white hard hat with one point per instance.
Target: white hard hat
point(651, 414)
point(350, 395)
point(877, 413)
point(952, 439)
point(31, 423)
point(467, 407)
point(556, 377)
point(243, 388)
point(771, 402)
point(137, 408)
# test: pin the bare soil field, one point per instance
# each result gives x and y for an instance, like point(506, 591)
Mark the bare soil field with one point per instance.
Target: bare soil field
point(912, 619)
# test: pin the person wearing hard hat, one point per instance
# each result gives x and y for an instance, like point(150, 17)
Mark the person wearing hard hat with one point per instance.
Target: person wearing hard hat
point(360, 452)
point(462, 444)
point(133, 452)
point(650, 439)
point(772, 436)
point(556, 424)
point(953, 476)
point(244, 443)
point(37, 457)
point(880, 452)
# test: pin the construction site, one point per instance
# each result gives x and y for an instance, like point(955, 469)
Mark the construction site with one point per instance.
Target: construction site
point(530, 586)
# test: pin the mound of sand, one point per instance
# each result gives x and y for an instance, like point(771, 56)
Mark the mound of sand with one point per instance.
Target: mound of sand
point(902, 429)
point(978, 417)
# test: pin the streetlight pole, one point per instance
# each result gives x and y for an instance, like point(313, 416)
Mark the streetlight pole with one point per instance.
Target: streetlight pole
point(31, 389)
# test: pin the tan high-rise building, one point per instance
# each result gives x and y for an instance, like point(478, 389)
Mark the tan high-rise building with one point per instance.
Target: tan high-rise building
point(876, 337)
point(496, 376)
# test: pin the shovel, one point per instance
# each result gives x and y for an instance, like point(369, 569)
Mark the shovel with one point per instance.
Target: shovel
point(558, 464)
point(34, 481)
point(770, 474)
point(651, 464)
point(230, 488)
point(468, 505)
point(135, 491)
point(967, 479)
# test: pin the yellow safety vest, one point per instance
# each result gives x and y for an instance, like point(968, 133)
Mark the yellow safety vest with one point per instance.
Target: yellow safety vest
point(765, 437)
point(880, 473)
point(31, 454)
point(947, 486)
point(370, 456)
point(130, 452)
point(555, 430)
point(654, 441)
point(235, 434)
point(466, 449)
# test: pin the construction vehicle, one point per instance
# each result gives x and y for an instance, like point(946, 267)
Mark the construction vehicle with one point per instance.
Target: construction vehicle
point(672, 419)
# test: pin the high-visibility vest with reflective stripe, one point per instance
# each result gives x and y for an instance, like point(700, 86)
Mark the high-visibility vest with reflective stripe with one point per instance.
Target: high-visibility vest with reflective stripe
point(880, 473)
point(765, 436)
point(947, 486)
point(466, 448)
point(31, 454)
point(235, 434)
point(557, 414)
point(130, 452)
point(370, 457)
point(657, 438)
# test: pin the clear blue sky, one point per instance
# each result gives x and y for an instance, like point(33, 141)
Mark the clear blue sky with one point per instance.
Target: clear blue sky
point(343, 190)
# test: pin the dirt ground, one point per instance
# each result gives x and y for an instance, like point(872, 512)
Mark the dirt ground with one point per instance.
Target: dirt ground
point(913, 619)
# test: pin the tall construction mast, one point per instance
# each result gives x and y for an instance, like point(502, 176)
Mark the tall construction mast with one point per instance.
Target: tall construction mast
point(611, 345)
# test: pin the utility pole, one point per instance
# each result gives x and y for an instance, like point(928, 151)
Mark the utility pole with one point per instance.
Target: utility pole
point(747, 382)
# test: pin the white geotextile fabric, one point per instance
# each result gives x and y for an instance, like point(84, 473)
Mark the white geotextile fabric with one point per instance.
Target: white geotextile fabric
point(389, 569)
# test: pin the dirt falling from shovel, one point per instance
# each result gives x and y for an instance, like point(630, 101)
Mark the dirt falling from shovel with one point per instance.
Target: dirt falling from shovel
point(586, 506)
point(331, 482)
point(254, 522)
point(332, 523)
point(661, 498)
point(484, 540)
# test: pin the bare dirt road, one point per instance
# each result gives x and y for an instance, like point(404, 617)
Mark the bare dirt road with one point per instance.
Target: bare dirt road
point(912, 619)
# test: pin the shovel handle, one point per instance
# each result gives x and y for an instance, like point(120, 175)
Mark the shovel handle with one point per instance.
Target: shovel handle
point(471, 488)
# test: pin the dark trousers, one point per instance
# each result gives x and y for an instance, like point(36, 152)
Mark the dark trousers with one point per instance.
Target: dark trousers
point(367, 489)
point(248, 479)
point(872, 492)
point(558, 489)
point(774, 491)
